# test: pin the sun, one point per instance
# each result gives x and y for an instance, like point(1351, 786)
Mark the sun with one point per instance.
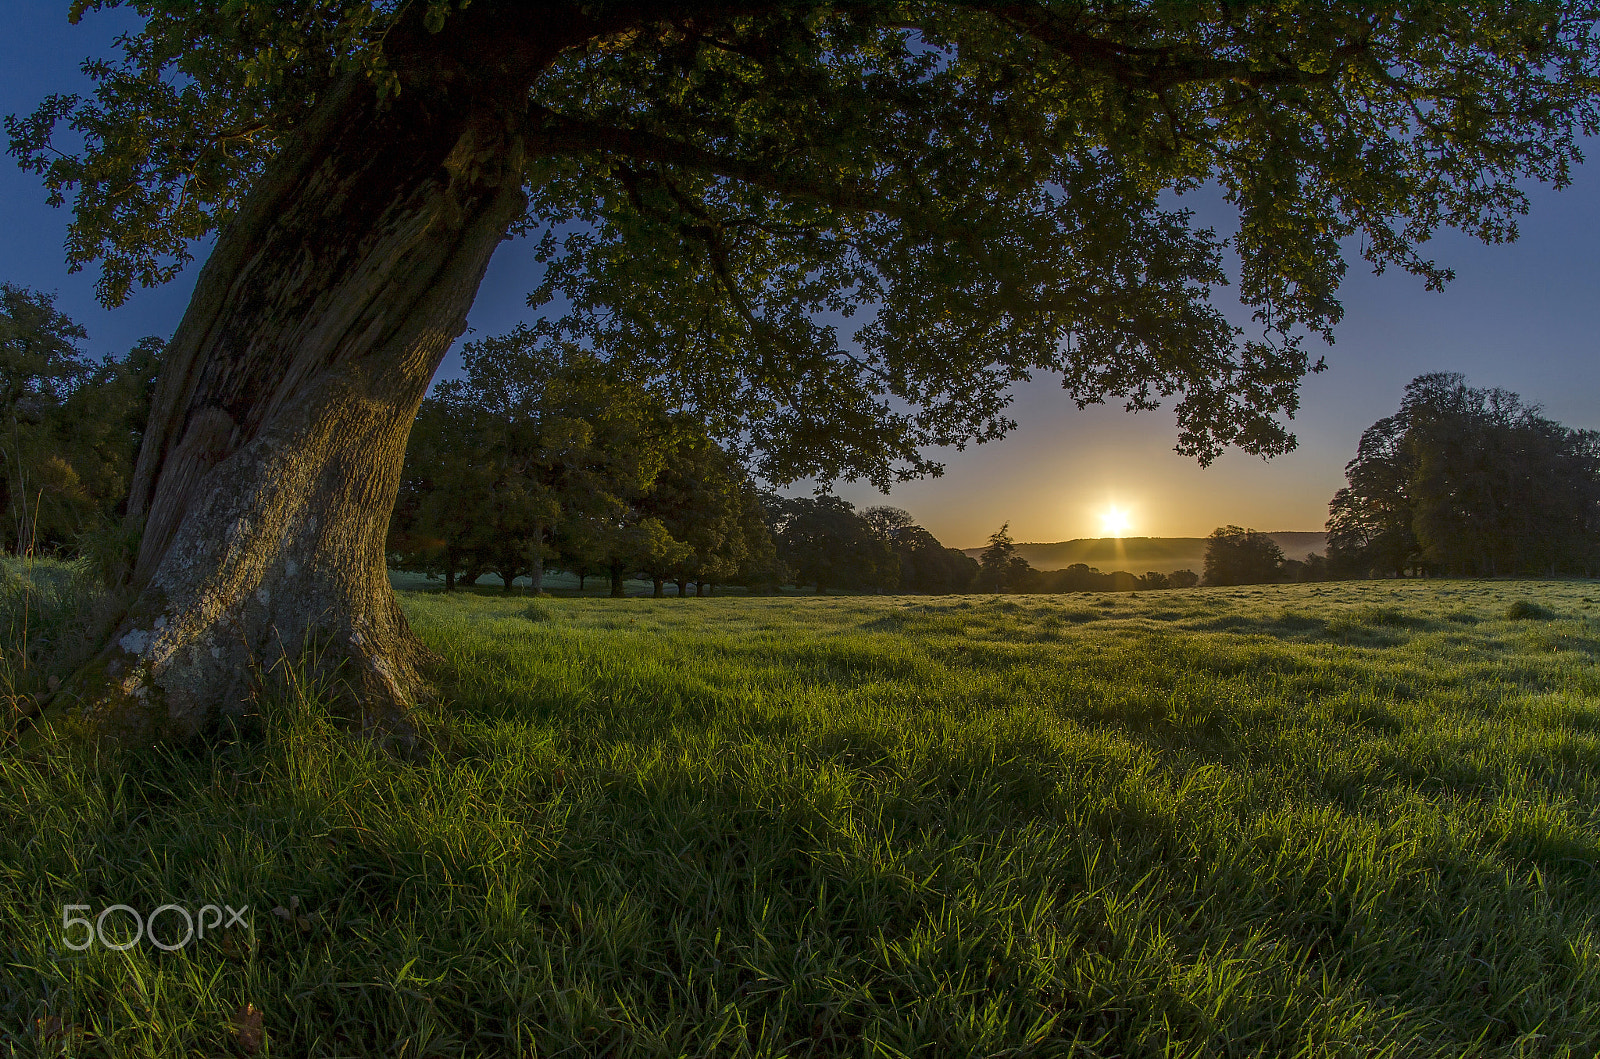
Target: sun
point(1114, 522)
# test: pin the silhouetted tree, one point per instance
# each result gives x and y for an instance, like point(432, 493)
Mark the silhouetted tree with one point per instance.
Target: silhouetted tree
point(1467, 482)
point(825, 543)
point(925, 564)
point(1236, 556)
point(1000, 568)
point(1370, 519)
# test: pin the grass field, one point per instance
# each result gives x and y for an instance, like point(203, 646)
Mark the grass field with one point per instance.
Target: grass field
point(1319, 820)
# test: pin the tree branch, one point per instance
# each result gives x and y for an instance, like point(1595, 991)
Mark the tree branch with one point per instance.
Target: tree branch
point(553, 133)
point(1151, 66)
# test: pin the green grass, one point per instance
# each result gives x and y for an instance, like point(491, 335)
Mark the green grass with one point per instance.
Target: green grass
point(1321, 820)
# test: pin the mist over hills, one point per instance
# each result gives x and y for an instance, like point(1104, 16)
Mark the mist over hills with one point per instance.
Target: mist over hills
point(1139, 555)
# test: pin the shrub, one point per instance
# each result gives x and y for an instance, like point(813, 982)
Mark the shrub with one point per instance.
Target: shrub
point(53, 617)
point(1523, 610)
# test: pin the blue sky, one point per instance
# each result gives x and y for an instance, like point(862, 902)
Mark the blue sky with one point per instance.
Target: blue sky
point(1524, 316)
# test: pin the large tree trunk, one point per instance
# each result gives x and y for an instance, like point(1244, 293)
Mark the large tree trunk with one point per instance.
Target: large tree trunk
point(272, 457)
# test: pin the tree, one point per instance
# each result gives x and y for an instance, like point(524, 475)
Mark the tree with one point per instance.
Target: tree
point(531, 436)
point(706, 181)
point(632, 544)
point(703, 499)
point(40, 364)
point(1183, 579)
point(1369, 520)
point(925, 564)
point(1236, 556)
point(69, 431)
point(1468, 481)
point(1000, 568)
point(825, 543)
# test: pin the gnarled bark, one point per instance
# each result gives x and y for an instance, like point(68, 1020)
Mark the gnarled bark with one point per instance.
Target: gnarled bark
point(272, 458)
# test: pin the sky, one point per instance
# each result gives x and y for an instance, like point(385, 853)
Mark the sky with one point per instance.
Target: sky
point(1522, 316)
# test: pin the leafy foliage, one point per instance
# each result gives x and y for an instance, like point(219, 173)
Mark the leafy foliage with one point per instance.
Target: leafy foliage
point(1469, 482)
point(1236, 556)
point(69, 430)
point(717, 191)
point(531, 437)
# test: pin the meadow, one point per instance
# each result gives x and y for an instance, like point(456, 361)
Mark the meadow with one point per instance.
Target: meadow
point(1354, 819)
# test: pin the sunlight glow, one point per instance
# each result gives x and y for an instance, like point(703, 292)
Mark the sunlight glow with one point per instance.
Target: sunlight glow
point(1114, 522)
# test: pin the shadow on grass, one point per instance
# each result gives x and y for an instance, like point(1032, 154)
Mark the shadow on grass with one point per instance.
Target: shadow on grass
point(856, 889)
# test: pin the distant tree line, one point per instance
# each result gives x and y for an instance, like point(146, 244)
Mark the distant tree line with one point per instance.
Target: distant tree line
point(1001, 569)
point(825, 543)
point(543, 455)
point(1468, 483)
point(70, 429)
point(1237, 556)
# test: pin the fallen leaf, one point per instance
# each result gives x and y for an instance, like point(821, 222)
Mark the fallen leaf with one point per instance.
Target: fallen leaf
point(247, 1031)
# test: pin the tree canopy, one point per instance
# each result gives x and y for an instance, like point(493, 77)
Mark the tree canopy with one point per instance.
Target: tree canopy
point(69, 428)
point(1471, 482)
point(843, 231)
point(1237, 556)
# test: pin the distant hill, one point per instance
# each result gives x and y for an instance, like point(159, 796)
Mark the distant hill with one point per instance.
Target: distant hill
point(1139, 555)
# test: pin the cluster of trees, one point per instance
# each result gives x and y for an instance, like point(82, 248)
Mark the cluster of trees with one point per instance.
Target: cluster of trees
point(825, 542)
point(543, 454)
point(1236, 556)
point(69, 429)
point(1467, 482)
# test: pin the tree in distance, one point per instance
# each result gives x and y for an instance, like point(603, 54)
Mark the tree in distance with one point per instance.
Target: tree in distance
point(533, 435)
point(925, 564)
point(1000, 568)
point(824, 542)
point(1236, 556)
point(709, 187)
point(704, 500)
point(69, 433)
point(40, 365)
